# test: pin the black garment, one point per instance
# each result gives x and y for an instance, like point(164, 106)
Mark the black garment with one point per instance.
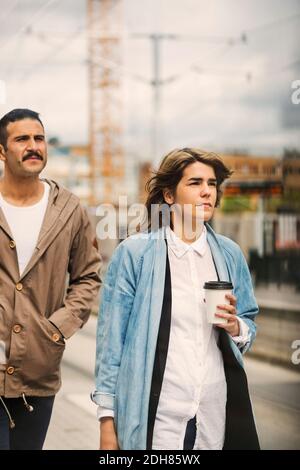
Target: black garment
point(190, 434)
point(160, 354)
point(30, 428)
point(240, 430)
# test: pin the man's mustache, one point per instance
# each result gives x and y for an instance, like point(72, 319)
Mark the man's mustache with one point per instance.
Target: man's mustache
point(32, 154)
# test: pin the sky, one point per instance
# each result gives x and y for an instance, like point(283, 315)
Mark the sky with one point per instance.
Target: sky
point(226, 78)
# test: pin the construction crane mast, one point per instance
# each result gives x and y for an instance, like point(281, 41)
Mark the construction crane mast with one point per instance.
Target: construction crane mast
point(105, 104)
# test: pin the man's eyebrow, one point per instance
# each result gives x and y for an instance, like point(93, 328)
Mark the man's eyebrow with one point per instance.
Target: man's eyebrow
point(21, 136)
point(27, 135)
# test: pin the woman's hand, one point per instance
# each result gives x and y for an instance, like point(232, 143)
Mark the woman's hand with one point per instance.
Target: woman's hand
point(232, 326)
point(108, 435)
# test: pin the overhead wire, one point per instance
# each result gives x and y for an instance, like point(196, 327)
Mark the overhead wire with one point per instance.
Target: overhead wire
point(27, 24)
point(5, 15)
point(69, 38)
point(230, 42)
point(271, 24)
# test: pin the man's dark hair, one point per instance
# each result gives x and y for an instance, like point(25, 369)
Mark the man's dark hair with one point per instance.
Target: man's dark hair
point(13, 116)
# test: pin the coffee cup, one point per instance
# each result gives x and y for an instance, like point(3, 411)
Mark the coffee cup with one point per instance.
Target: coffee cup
point(215, 292)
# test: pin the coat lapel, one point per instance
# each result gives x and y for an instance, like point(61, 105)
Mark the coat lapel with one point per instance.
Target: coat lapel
point(4, 225)
point(58, 211)
point(13, 266)
point(159, 270)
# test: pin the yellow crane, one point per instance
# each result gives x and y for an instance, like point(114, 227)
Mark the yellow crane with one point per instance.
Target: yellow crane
point(105, 101)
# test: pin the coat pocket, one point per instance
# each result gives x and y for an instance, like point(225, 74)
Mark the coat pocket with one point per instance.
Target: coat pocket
point(40, 368)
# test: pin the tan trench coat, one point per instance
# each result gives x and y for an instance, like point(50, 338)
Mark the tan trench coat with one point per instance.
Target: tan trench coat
point(31, 304)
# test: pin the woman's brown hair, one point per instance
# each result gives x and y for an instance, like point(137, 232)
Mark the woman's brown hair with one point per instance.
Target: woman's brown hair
point(171, 171)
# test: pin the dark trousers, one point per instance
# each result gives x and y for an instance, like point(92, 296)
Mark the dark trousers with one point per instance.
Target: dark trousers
point(30, 428)
point(190, 435)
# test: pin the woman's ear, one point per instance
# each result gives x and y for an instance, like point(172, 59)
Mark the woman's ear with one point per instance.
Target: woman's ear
point(168, 196)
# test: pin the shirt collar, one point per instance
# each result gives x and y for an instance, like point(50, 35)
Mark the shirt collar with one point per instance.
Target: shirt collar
point(179, 247)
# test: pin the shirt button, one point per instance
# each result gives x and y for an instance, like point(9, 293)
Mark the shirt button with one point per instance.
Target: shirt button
point(17, 328)
point(12, 244)
point(19, 286)
point(55, 337)
point(10, 370)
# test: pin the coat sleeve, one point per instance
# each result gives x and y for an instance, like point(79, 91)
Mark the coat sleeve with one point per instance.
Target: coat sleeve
point(84, 280)
point(247, 307)
point(117, 297)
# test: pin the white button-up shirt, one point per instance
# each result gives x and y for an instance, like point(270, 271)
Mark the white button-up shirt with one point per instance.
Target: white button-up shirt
point(194, 381)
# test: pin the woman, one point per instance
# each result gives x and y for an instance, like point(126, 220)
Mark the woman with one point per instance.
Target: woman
point(165, 377)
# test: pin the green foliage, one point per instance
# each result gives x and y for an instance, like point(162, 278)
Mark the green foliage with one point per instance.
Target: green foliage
point(236, 204)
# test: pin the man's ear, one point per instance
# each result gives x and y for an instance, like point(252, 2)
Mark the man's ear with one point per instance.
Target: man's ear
point(168, 196)
point(2, 153)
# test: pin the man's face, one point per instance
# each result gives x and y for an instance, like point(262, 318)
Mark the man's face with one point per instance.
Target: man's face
point(26, 150)
point(197, 188)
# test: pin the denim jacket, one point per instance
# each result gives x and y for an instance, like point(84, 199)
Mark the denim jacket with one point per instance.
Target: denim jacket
point(128, 324)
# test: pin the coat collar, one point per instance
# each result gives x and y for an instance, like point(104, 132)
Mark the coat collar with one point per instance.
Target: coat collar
point(216, 250)
point(58, 198)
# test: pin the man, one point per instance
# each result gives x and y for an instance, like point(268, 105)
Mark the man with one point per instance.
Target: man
point(44, 235)
point(165, 377)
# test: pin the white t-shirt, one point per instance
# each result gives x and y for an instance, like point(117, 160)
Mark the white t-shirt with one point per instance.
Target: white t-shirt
point(25, 225)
